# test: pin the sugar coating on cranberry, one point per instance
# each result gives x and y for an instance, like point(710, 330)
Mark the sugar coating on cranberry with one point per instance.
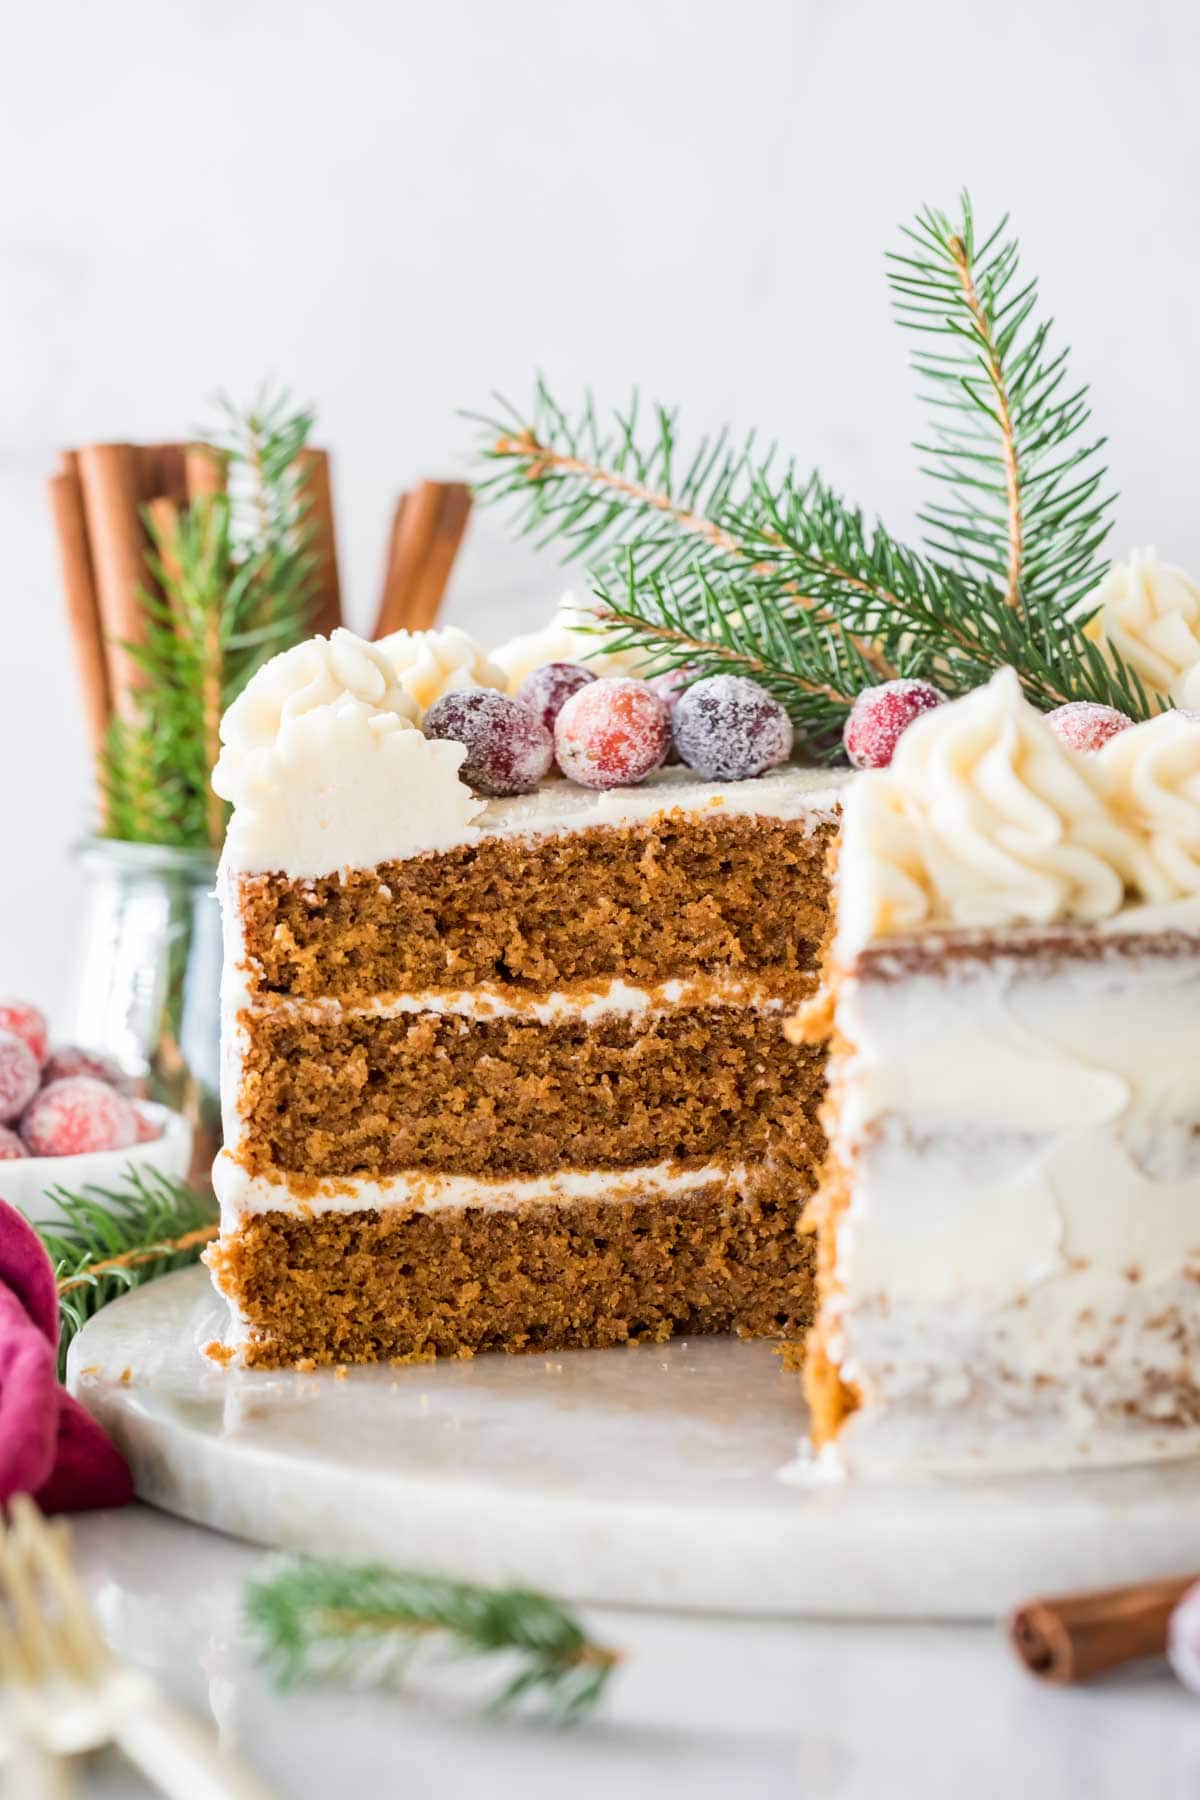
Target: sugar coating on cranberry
point(880, 717)
point(728, 728)
point(27, 1022)
point(612, 733)
point(1086, 725)
point(671, 684)
point(545, 691)
point(11, 1147)
point(148, 1128)
point(76, 1115)
point(508, 747)
point(70, 1059)
point(20, 1076)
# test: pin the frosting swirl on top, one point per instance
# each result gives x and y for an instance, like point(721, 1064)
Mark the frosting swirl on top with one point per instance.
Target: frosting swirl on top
point(1149, 613)
point(428, 664)
point(1152, 775)
point(983, 818)
point(571, 636)
point(326, 768)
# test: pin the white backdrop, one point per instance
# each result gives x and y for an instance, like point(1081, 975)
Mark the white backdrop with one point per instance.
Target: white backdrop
point(397, 207)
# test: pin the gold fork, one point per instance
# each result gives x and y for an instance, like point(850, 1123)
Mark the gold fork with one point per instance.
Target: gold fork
point(62, 1691)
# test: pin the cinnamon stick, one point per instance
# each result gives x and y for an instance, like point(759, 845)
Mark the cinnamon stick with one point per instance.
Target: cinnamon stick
point(313, 474)
point(111, 482)
point(205, 470)
point(162, 473)
point(165, 516)
point(427, 530)
point(1072, 1637)
point(79, 586)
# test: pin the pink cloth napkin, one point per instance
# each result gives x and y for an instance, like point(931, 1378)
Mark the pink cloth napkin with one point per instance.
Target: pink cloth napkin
point(49, 1446)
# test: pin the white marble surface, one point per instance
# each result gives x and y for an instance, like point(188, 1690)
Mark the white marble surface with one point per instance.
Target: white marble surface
point(702, 1707)
point(663, 1476)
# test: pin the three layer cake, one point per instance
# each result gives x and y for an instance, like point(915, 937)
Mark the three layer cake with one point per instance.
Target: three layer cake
point(504, 1073)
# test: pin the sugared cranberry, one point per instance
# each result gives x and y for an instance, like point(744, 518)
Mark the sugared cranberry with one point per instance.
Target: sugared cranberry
point(25, 1021)
point(148, 1129)
point(77, 1115)
point(11, 1146)
point(612, 733)
point(671, 685)
point(70, 1059)
point(19, 1076)
point(508, 747)
point(728, 728)
point(880, 717)
point(1086, 725)
point(545, 691)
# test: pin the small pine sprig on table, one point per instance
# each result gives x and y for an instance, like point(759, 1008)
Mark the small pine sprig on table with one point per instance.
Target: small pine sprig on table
point(109, 1240)
point(732, 561)
point(319, 1620)
point(234, 579)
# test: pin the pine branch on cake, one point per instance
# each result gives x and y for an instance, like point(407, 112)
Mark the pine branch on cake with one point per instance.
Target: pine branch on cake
point(316, 1620)
point(112, 1239)
point(233, 581)
point(1027, 505)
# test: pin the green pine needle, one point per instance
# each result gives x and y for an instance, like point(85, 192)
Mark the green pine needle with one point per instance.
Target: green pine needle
point(141, 1221)
point(316, 1620)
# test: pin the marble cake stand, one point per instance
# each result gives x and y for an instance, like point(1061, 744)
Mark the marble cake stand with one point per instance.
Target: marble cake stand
point(663, 1477)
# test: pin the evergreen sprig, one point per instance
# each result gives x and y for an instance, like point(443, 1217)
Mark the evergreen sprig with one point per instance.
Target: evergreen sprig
point(1027, 505)
point(233, 583)
point(368, 1624)
point(731, 560)
point(109, 1240)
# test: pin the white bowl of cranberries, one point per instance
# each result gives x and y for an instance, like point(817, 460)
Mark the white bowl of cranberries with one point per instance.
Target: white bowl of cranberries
point(68, 1119)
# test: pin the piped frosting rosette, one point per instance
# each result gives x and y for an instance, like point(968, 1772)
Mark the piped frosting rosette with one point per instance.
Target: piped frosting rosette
point(326, 768)
point(1148, 612)
point(428, 664)
point(1152, 778)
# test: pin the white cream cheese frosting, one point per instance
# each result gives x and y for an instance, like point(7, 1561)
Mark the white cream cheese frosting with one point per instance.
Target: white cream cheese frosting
point(326, 769)
point(570, 636)
point(986, 819)
point(1148, 611)
point(429, 664)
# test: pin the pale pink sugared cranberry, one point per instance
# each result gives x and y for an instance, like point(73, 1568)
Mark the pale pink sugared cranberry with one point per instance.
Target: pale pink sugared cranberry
point(612, 733)
point(545, 691)
point(1086, 725)
point(728, 728)
point(508, 747)
point(11, 1147)
point(70, 1059)
point(19, 1076)
point(1183, 1639)
point(26, 1022)
point(77, 1115)
point(880, 717)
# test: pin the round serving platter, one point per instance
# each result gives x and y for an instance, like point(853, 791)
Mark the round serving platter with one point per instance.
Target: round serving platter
point(665, 1476)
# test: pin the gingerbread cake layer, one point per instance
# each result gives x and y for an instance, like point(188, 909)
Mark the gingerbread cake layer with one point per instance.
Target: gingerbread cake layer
point(671, 896)
point(361, 1286)
point(355, 1094)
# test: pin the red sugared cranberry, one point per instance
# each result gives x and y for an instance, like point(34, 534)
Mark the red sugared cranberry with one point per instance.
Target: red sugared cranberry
point(671, 685)
point(545, 691)
point(148, 1129)
point(77, 1115)
point(728, 728)
point(25, 1021)
point(1086, 725)
point(880, 717)
point(19, 1076)
point(508, 747)
point(11, 1146)
point(69, 1059)
point(612, 733)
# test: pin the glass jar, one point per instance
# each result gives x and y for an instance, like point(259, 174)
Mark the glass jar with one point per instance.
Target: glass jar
point(147, 987)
